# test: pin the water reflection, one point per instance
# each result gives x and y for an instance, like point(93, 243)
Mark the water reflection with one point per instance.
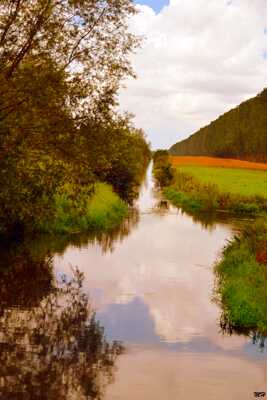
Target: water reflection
point(55, 349)
point(228, 328)
point(26, 277)
point(57, 244)
point(151, 281)
point(158, 270)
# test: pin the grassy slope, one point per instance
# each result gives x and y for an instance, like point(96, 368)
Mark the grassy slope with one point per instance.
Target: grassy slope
point(242, 280)
point(102, 211)
point(239, 181)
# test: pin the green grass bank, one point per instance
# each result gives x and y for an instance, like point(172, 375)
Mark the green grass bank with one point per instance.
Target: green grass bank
point(86, 211)
point(242, 271)
point(204, 189)
point(198, 189)
point(242, 280)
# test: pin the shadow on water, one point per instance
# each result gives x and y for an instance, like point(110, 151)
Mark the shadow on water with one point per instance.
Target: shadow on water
point(52, 346)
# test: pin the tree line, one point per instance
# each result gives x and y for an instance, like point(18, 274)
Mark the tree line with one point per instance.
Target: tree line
point(61, 65)
point(240, 133)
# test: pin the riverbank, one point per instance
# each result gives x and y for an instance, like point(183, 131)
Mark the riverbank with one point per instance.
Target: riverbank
point(101, 210)
point(242, 281)
point(241, 287)
point(198, 188)
point(192, 194)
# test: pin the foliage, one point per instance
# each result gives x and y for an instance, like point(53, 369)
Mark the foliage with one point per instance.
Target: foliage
point(162, 169)
point(88, 38)
point(160, 154)
point(83, 212)
point(61, 63)
point(240, 133)
point(117, 153)
point(242, 280)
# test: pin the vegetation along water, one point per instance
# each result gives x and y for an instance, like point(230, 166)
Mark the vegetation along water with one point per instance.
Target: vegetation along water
point(241, 274)
point(119, 280)
point(60, 129)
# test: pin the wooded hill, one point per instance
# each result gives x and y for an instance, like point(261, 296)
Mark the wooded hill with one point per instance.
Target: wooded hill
point(240, 133)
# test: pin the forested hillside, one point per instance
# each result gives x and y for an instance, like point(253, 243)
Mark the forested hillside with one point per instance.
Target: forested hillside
point(240, 133)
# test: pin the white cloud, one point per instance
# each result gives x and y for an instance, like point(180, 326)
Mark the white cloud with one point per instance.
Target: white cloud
point(199, 59)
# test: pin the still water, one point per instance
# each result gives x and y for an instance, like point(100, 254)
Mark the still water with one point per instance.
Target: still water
point(153, 289)
point(152, 285)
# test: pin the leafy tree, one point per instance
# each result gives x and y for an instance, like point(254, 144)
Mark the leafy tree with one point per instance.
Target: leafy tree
point(61, 63)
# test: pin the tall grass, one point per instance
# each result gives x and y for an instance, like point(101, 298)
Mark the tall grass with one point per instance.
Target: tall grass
point(193, 195)
point(85, 211)
point(242, 280)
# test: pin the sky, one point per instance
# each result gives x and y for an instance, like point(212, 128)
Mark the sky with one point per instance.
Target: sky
point(198, 59)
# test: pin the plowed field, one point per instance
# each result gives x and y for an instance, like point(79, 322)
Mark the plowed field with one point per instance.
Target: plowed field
point(216, 162)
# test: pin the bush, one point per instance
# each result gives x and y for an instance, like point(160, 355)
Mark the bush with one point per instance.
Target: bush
point(163, 171)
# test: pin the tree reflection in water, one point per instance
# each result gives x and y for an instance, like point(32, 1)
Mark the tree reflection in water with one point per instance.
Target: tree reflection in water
point(56, 349)
point(25, 277)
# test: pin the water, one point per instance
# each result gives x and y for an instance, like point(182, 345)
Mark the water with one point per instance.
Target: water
point(152, 284)
point(154, 290)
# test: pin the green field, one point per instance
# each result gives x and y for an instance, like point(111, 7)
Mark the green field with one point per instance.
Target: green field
point(238, 181)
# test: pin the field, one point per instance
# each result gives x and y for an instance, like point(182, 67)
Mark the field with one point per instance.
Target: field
point(216, 162)
point(242, 181)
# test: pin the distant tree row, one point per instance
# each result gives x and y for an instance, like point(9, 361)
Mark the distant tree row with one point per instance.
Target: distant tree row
point(61, 64)
point(240, 133)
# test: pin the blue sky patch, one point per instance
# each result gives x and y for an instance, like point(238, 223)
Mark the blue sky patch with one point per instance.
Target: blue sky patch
point(157, 5)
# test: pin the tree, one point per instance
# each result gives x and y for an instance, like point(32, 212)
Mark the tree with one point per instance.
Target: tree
point(61, 62)
point(88, 39)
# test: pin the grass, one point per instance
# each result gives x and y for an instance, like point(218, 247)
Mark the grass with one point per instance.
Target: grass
point(101, 210)
point(242, 280)
point(196, 195)
point(243, 182)
point(242, 271)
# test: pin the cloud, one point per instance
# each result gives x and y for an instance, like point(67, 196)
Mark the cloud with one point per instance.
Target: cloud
point(198, 60)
